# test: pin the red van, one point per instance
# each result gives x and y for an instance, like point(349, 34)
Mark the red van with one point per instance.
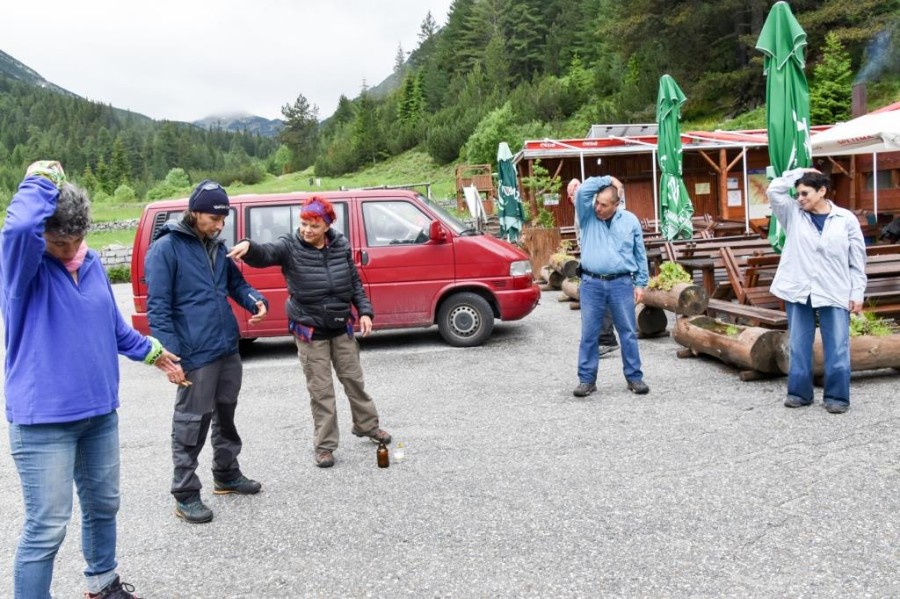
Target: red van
point(419, 264)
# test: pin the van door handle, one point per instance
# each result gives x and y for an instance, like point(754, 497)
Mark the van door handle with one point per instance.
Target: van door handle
point(363, 257)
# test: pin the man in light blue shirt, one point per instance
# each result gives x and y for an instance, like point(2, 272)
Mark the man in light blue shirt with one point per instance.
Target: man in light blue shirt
point(613, 276)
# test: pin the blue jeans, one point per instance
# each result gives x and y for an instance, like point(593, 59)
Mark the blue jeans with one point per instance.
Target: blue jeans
point(595, 297)
point(50, 458)
point(834, 324)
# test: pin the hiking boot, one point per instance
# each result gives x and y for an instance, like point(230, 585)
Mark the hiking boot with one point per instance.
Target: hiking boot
point(605, 349)
point(584, 389)
point(792, 401)
point(324, 459)
point(836, 407)
point(241, 485)
point(377, 436)
point(114, 590)
point(194, 512)
point(639, 387)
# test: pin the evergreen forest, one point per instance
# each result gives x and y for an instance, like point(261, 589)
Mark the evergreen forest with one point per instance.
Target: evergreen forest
point(498, 70)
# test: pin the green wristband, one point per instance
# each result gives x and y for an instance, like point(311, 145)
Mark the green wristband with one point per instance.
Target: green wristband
point(156, 350)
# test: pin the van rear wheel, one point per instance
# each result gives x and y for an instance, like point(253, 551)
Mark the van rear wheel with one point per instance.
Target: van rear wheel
point(465, 320)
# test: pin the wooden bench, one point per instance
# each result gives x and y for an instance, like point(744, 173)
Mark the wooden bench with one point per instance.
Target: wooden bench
point(751, 278)
point(753, 316)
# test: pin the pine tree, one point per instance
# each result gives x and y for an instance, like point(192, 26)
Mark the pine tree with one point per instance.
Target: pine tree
point(399, 59)
point(366, 134)
point(427, 29)
point(301, 131)
point(831, 92)
point(119, 169)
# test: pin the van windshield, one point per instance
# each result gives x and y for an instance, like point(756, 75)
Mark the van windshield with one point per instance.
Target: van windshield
point(447, 218)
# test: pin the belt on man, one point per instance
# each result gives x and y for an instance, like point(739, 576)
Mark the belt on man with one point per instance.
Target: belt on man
point(610, 277)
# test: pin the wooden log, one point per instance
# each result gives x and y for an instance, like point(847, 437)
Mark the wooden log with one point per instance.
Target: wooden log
point(564, 264)
point(686, 299)
point(651, 321)
point(867, 352)
point(553, 278)
point(572, 288)
point(575, 306)
point(749, 348)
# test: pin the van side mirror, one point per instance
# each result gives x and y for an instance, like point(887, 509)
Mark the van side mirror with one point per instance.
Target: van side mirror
point(436, 233)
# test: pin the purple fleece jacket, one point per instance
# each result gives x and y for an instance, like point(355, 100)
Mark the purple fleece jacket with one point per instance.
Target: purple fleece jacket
point(62, 338)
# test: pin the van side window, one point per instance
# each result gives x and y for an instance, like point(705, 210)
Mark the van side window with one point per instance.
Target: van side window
point(394, 222)
point(268, 223)
point(175, 216)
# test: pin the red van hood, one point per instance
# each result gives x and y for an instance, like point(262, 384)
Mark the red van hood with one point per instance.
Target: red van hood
point(484, 256)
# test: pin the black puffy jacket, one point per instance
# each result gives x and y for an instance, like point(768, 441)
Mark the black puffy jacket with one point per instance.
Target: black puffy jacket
point(314, 277)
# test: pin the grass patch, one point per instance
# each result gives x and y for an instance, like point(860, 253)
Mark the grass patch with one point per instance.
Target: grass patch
point(100, 239)
point(413, 166)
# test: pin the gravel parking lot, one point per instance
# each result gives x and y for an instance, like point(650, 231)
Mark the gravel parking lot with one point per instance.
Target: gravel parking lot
point(512, 487)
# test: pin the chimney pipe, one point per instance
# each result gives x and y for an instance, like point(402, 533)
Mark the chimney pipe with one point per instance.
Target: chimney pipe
point(858, 103)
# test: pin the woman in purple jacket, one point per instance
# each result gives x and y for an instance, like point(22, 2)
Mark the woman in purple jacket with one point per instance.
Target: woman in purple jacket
point(63, 336)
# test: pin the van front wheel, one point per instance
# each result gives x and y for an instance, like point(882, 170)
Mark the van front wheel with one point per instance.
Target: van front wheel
point(465, 320)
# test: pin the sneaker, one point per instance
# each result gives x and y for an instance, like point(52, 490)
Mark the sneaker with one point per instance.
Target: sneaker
point(605, 349)
point(114, 590)
point(377, 436)
point(584, 389)
point(792, 401)
point(194, 512)
point(836, 407)
point(639, 387)
point(241, 485)
point(324, 459)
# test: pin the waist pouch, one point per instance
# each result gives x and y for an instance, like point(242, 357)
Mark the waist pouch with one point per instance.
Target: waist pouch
point(336, 316)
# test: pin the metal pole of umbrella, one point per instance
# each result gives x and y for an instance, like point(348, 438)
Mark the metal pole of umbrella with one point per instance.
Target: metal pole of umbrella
point(875, 183)
point(655, 195)
point(581, 158)
point(746, 192)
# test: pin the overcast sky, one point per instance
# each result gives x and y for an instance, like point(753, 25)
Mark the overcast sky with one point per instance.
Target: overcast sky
point(187, 59)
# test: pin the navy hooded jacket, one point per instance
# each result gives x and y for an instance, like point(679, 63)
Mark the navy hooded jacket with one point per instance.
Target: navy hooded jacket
point(187, 296)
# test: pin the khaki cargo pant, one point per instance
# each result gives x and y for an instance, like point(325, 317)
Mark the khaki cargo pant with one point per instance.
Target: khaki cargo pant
point(317, 358)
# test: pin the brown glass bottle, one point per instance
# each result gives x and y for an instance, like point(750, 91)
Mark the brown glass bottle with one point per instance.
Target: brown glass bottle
point(383, 459)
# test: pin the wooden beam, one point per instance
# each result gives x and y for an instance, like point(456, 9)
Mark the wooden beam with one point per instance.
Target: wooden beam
point(736, 158)
point(723, 182)
point(838, 166)
point(709, 160)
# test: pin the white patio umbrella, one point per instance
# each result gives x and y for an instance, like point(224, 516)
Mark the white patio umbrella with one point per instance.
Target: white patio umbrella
point(878, 131)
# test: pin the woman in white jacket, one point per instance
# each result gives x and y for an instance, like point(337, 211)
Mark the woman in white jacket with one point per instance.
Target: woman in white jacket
point(822, 272)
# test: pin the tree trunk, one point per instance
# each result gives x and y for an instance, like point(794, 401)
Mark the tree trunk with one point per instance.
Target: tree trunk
point(867, 352)
point(565, 265)
point(651, 321)
point(553, 278)
point(684, 298)
point(751, 348)
point(572, 288)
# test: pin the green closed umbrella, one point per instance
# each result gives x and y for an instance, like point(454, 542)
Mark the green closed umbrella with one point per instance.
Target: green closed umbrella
point(674, 203)
point(509, 204)
point(783, 41)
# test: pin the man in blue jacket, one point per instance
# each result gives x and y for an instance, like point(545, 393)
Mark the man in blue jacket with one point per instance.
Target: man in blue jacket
point(189, 281)
point(613, 276)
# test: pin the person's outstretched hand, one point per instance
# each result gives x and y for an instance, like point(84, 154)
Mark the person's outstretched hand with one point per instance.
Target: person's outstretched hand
point(238, 250)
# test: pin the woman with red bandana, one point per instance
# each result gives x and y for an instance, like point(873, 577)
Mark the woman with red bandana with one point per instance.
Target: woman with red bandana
point(323, 286)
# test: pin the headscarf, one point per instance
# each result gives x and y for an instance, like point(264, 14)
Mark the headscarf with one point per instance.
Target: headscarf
point(317, 209)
